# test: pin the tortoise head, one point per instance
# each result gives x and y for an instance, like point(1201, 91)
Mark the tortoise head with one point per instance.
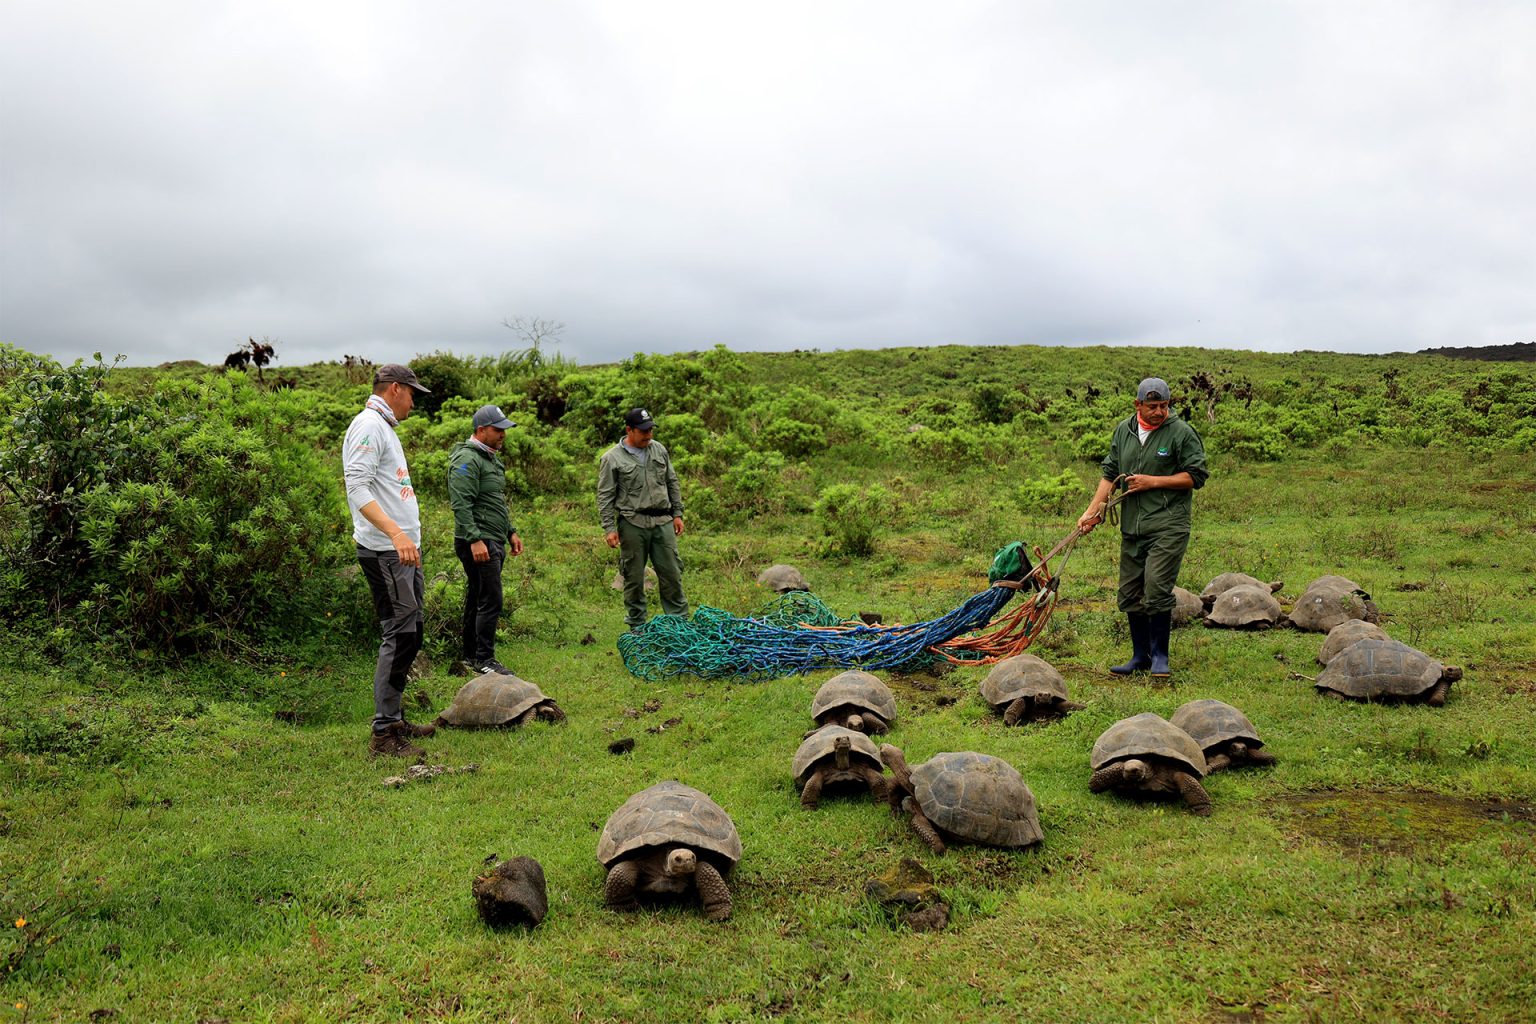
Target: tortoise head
point(1237, 750)
point(855, 722)
point(1136, 770)
point(840, 747)
point(1451, 673)
point(681, 862)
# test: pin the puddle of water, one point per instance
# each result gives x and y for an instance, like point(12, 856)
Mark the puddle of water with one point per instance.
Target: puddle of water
point(1399, 821)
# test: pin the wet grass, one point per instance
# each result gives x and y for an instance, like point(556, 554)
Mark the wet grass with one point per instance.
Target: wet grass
point(208, 841)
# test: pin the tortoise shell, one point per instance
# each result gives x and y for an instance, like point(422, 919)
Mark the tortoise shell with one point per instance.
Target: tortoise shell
point(1147, 735)
point(819, 744)
point(1330, 601)
point(783, 579)
point(1227, 580)
point(1187, 606)
point(1347, 633)
point(1211, 722)
point(1368, 669)
point(859, 689)
point(490, 701)
point(1023, 675)
point(1246, 604)
point(668, 813)
point(977, 797)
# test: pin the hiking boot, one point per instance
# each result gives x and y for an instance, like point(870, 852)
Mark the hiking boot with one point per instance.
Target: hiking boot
point(412, 729)
point(492, 667)
point(392, 743)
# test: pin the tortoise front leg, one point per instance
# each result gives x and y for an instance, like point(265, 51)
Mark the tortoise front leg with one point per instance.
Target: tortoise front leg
point(1217, 762)
point(1260, 756)
point(873, 723)
point(619, 890)
point(1106, 778)
point(1195, 796)
point(924, 828)
point(878, 786)
point(810, 796)
point(713, 892)
point(1437, 695)
point(1016, 711)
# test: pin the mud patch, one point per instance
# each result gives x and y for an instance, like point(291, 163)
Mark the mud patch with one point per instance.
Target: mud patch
point(1400, 821)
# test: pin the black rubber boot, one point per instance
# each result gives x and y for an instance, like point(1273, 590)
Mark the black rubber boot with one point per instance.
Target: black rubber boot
point(1141, 652)
point(1158, 627)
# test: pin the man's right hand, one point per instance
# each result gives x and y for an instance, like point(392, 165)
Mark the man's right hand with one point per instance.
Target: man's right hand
point(406, 548)
point(480, 551)
point(613, 539)
point(1089, 519)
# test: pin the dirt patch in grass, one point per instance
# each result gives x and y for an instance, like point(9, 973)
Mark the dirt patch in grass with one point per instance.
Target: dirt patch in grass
point(1398, 821)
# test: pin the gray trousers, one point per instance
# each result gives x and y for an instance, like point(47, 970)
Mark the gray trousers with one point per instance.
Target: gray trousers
point(659, 545)
point(1149, 567)
point(398, 593)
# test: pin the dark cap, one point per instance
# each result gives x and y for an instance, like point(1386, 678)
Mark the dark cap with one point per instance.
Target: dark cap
point(639, 419)
point(394, 373)
point(1153, 389)
point(492, 416)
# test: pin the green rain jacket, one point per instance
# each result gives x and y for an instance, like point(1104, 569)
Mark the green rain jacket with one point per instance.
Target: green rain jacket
point(477, 490)
point(1172, 448)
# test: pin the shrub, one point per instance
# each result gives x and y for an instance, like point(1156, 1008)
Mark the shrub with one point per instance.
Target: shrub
point(1051, 494)
point(445, 375)
point(854, 517)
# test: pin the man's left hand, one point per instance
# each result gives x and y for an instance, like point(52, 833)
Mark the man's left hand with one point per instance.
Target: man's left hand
point(1141, 482)
point(514, 544)
point(677, 526)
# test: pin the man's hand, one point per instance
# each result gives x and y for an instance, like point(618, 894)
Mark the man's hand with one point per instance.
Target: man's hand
point(406, 548)
point(1091, 518)
point(612, 539)
point(515, 543)
point(480, 551)
point(1142, 482)
point(677, 526)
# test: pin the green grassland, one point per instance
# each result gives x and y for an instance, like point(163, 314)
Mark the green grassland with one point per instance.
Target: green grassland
point(200, 835)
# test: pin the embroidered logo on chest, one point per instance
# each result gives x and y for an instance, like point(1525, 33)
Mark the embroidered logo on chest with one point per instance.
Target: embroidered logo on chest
point(1163, 452)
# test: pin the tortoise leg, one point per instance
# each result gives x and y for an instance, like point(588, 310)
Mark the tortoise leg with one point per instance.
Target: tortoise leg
point(924, 828)
point(1195, 796)
point(1217, 762)
point(550, 712)
point(1105, 778)
point(810, 796)
point(1262, 757)
point(878, 786)
point(1016, 711)
point(713, 892)
point(873, 723)
point(1066, 707)
point(1437, 695)
point(619, 890)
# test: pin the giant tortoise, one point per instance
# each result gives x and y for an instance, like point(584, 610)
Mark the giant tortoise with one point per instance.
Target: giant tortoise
point(1225, 735)
point(1026, 689)
point(833, 754)
point(1245, 606)
point(1227, 580)
point(855, 700)
point(496, 701)
point(1387, 670)
point(1187, 607)
point(963, 796)
point(1346, 633)
point(669, 839)
point(1329, 601)
point(782, 579)
point(1147, 754)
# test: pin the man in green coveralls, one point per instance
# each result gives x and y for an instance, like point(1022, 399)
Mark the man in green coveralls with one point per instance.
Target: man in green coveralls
point(641, 509)
point(1162, 461)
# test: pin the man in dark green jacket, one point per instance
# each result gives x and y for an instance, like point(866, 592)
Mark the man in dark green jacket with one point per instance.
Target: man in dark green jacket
point(482, 532)
point(1160, 461)
point(641, 508)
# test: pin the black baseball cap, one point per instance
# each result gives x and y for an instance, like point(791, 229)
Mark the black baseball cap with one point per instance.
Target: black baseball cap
point(639, 419)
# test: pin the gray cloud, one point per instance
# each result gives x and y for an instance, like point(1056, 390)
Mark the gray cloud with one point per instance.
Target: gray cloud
point(391, 178)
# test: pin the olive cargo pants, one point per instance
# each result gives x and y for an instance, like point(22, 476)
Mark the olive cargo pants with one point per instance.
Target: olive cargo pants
point(1149, 567)
point(659, 545)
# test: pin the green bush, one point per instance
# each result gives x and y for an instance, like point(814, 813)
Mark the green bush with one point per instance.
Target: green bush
point(445, 375)
point(1051, 494)
point(854, 517)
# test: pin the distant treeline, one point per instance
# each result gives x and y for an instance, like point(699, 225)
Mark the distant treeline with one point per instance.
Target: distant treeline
point(1520, 352)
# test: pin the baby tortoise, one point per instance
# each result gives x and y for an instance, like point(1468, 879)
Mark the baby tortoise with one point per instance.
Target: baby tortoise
point(833, 754)
point(854, 700)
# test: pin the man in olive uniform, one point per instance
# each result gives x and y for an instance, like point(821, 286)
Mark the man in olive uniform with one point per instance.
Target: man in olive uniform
point(1162, 462)
point(641, 509)
point(483, 534)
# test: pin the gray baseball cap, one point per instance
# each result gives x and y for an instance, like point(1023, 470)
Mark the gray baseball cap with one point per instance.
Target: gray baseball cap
point(492, 416)
point(1153, 389)
point(394, 373)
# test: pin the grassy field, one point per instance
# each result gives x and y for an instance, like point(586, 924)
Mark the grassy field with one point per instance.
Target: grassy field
point(206, 840)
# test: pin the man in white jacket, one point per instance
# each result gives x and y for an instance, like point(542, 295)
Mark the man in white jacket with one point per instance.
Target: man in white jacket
point(386, 525)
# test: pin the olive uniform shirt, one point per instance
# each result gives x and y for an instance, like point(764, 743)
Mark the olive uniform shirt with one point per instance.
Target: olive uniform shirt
point(646, 493)
point(1172, 448)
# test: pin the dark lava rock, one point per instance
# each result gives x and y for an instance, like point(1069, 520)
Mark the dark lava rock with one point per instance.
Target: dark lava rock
point(622, 746)
point(907, 893)
point(512, 893)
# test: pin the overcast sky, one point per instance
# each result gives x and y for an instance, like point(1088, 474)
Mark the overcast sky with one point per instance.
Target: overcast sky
point(388, 178)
